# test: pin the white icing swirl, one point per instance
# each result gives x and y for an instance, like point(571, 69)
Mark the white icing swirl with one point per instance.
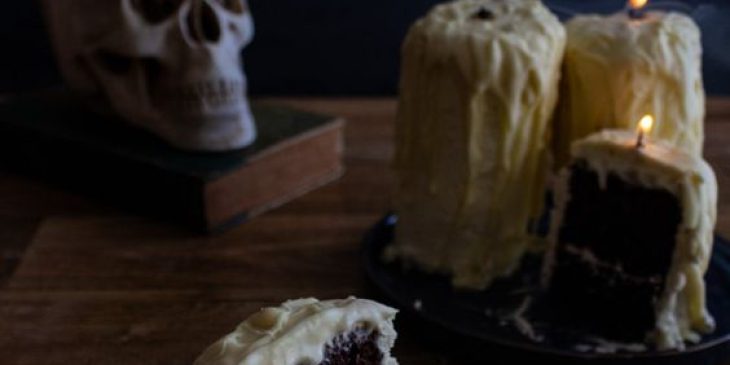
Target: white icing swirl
point(298, 331)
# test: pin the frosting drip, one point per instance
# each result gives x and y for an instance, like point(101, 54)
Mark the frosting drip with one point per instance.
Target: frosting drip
point(681, 311)
point(478, 88)
point(299, 332)
point(617, 70)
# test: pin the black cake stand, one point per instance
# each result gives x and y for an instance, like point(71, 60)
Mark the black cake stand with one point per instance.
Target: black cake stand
point(506, 318)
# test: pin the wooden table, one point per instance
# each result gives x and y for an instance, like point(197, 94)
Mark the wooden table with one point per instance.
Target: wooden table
point(82, 282)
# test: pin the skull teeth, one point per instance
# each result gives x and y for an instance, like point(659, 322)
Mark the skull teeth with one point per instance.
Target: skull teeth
point(206, 94)
point(212, 89)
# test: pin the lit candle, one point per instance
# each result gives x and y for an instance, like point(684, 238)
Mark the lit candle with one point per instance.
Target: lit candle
point(618, 69)
point(645, 125)
point(636, 8)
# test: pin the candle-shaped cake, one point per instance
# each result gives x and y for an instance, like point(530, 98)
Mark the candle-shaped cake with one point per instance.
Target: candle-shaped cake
point(478, 88)
point(620, 67)
point(631, 240)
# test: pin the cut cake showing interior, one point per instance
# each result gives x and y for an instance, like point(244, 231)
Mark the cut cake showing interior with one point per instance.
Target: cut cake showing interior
point(310, 332)
point(631, 240)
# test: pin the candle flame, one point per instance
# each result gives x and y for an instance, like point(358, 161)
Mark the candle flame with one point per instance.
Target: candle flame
point(646, 123)
point(638, 4)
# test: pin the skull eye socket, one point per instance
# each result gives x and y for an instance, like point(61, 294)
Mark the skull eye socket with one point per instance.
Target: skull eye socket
point(113, 62)
point(234, 6)
point(155, 11)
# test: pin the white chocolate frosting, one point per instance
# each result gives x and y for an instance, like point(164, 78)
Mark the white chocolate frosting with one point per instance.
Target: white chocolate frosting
point(617, 70)
point(297, 332)
point(681, 310)
point(477, 94)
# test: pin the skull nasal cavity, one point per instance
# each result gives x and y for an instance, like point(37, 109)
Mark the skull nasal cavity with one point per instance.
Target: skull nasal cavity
point(203, 23)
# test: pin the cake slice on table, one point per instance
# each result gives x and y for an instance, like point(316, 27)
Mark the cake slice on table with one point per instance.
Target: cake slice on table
point(631, 240)
point(310, 332)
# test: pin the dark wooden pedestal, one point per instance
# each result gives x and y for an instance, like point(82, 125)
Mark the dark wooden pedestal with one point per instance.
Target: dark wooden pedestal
point(53, 135)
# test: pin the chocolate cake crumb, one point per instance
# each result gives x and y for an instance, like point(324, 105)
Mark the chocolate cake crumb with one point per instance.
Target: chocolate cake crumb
point(357, 347)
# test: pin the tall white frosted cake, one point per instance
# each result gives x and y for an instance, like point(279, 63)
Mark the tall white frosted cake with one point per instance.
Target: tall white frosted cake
point(631, 240)
point(478, 89)
point(310, 332)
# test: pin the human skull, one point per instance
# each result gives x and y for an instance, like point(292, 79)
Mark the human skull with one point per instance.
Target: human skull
point(169, 66)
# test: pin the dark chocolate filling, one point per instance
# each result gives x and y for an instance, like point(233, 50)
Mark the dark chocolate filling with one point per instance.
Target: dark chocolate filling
point(357, 347)
point(631, 230)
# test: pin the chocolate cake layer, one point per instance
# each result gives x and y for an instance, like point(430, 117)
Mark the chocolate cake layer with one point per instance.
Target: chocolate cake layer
point(601, 301)
point(624, 224)
point(358, 347)
point(614, 252)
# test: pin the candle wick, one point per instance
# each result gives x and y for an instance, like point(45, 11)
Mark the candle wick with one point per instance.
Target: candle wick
point(640, 140)
point(637, 14)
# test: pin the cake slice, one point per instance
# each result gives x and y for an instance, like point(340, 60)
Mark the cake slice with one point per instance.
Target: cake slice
point(310, 332)
point(631, 241)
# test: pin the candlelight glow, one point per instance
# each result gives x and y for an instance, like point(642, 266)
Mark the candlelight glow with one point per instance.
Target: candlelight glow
point(646, 123)
point(644, 128)
point(638, 4)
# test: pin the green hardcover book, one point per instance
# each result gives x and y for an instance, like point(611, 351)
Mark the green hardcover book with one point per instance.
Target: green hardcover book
point(55, 136)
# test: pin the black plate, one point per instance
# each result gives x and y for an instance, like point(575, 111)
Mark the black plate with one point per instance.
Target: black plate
point(484, 316)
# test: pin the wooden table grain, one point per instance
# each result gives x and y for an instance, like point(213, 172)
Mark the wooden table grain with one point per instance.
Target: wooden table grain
point(83, 282)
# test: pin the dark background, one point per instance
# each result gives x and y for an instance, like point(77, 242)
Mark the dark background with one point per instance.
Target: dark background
point(331, 47)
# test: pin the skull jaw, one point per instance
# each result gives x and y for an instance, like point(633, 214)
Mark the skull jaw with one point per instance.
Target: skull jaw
point(196, 115)
point(225, 131)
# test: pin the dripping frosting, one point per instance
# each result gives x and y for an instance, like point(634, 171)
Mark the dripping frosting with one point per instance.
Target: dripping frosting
point(478, 88)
